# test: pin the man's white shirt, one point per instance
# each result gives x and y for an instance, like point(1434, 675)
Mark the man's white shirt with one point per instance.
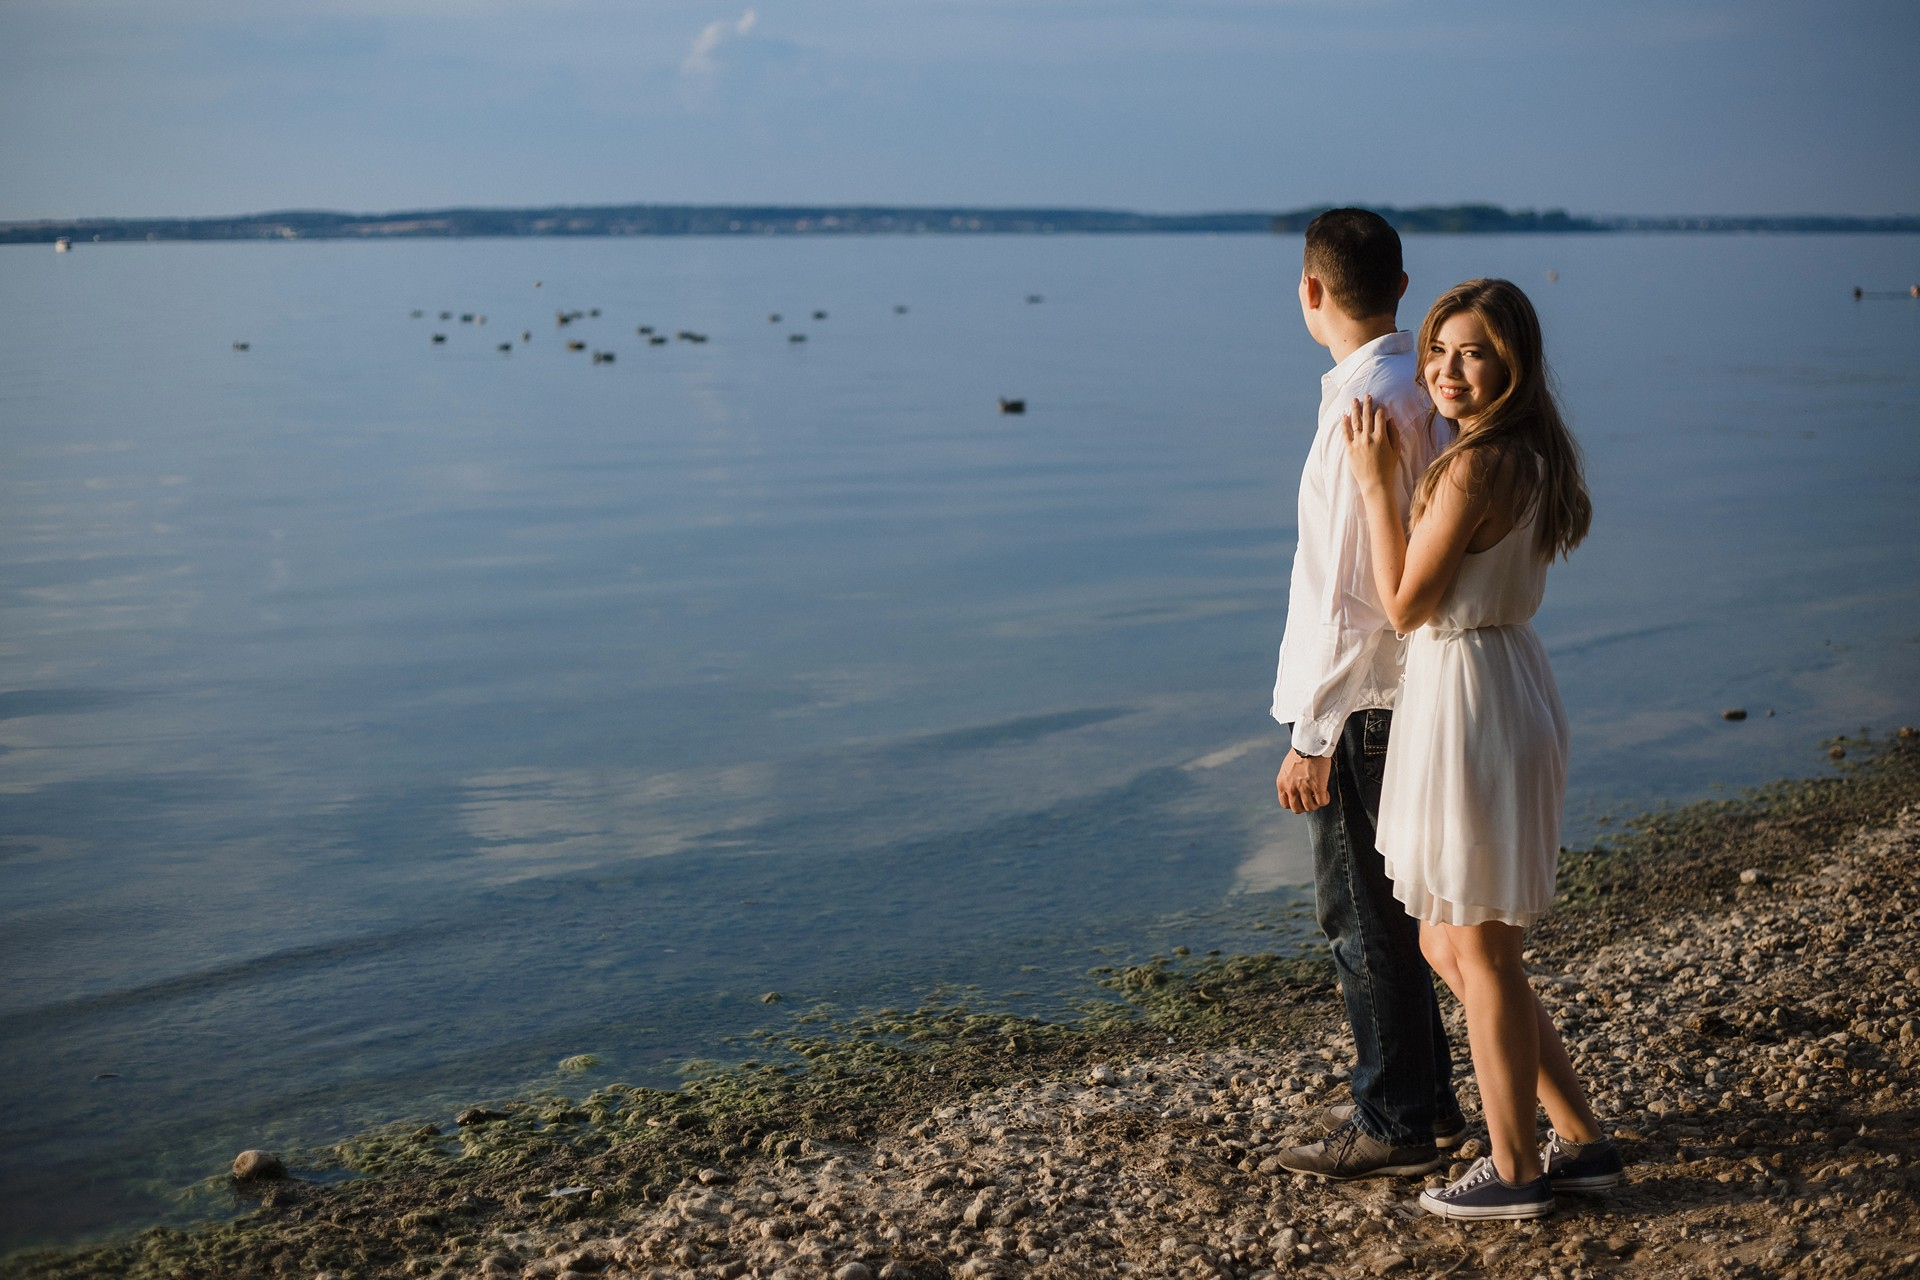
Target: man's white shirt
point(1339, 653)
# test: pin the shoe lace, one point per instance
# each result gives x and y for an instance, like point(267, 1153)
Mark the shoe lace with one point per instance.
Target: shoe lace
point(1481, 1172)
point(1341, 1141)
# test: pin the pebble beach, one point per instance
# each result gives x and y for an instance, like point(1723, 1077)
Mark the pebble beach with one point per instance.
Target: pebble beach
point(1738, 983)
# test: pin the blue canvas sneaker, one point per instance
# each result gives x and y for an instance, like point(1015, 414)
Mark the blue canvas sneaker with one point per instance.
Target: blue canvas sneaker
point(1482, 1194)
point(1582, 1166)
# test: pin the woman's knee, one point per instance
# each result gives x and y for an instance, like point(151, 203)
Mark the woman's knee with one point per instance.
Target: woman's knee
point(1491, 949)
point(1439, 955)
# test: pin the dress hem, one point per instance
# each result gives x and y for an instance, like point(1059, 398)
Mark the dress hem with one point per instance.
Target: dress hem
point(1430, 908)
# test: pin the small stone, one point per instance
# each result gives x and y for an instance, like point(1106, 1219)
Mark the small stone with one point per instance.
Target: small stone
point(1103, 1075)
point(1750, 876)
point(1388, 1263)
point(713, 1177)
point(854, 1271)
point(478, 1115)
point(258, 1164)
point(772, 997)
point(1908, 731)
point(1734, 713)
point(1837, 752)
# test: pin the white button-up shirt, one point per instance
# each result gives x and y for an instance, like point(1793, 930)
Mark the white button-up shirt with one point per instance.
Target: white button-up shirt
point(1339, 653)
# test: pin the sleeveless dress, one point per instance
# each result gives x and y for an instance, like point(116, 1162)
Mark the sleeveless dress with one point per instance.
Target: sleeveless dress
point(1476, 772)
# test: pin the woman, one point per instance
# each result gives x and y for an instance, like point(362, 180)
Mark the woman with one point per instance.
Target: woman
point(1470, 808)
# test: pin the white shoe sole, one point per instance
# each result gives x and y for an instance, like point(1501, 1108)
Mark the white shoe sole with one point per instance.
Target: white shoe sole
point(1488, 1213)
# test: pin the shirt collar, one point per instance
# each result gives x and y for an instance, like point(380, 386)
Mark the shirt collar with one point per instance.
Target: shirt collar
point(1397, 343)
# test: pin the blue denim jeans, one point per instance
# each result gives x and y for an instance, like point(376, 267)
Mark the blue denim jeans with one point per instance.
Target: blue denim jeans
point(1403, 1072)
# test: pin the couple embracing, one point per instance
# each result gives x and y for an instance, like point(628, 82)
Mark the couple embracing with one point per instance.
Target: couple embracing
point(1441, 484)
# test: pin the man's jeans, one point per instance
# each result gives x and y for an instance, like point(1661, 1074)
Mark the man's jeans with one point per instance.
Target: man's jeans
point(1402, 1074)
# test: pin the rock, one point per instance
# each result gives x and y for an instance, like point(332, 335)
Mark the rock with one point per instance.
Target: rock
point(1734, 713)
point(1388, 1263)
point(978, 1214)
point(854, 1271)
point(772, 997)
point(1750, 876)
point(713, 1177)
point(1103, 1075)
point(1837, 752)
point(478, 1115)
point(255, 1164)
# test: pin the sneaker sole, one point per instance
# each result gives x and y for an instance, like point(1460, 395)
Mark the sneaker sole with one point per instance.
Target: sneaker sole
point(1597, 1182)
point(1384, 1171)
point(1448, 1141)
point(1498, 1213)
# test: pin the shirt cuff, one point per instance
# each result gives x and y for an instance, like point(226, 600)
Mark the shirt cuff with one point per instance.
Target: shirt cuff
point(1318, 737)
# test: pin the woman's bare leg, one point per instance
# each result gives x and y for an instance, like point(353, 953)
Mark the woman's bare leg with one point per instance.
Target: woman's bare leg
point(1503, 1033)
point(1559, 1087)
point(1555, 1084)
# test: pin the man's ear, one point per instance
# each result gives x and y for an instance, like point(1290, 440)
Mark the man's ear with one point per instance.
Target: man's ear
point(1312, 291)
point(1403, 286)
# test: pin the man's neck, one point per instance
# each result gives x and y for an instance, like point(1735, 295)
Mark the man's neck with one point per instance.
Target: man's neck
point(1347, 336)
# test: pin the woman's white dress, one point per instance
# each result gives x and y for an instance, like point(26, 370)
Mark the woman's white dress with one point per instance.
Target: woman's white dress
point(1476, 771)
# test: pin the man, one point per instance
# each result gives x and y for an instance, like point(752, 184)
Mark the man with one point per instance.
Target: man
point(1339, 671)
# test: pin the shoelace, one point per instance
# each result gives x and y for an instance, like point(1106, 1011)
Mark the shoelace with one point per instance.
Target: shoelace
point(1477, 1176)
point(1341, 1141)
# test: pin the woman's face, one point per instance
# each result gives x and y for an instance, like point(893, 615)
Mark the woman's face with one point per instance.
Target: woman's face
point(1463, 374)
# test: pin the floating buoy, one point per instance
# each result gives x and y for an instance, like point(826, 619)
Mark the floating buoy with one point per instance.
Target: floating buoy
point(1734, 713)
point(243, 346)
point(900, 309)
point(415, 314)
point(819, 315)
point(1012, 406)
point(576, 346)
point(505, 346)
point(439, 337)
point(1034, 298)
point(657, 340)
point(796, 337)
point(63, 245)
point(1552, 275)
point(603, 357)
point(773, 317)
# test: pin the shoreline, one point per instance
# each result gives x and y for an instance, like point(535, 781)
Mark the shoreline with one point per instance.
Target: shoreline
point(1737, 981)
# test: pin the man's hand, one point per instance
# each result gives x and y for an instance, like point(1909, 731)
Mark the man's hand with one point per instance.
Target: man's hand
point(1302, 783)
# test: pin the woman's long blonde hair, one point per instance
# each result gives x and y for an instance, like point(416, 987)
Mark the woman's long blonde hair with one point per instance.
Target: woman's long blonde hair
point(1523, 421)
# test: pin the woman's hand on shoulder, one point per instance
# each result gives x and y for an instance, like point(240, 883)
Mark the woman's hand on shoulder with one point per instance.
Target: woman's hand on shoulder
point(1373, 444)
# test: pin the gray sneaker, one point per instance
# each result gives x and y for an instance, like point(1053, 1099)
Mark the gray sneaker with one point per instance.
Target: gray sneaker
point(1482, 1195)
point(1582, 1166)
point(1349, 1152)
point(1447, 1134)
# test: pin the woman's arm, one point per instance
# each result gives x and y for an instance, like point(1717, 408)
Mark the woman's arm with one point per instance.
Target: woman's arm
point(1412, 578)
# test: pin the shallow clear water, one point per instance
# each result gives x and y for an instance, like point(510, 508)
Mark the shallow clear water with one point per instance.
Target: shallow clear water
point(381, 722)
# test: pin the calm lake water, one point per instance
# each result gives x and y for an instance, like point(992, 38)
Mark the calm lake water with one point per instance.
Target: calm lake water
point(383, 721)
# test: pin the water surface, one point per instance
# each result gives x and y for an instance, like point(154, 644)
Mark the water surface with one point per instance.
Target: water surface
point(382, 721)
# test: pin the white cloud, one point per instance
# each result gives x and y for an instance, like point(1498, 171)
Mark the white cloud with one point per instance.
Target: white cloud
point(700, 60)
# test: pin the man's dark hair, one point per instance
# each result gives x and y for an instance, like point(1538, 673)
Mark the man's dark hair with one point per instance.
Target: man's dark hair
point(1356, 256)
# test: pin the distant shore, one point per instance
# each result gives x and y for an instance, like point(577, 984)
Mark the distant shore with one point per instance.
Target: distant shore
point(1739, 983)
point(843, 220)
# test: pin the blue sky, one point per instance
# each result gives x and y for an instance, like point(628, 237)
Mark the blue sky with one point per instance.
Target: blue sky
point(129, 107)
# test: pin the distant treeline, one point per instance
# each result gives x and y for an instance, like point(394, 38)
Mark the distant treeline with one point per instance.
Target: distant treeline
point(743, 220)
